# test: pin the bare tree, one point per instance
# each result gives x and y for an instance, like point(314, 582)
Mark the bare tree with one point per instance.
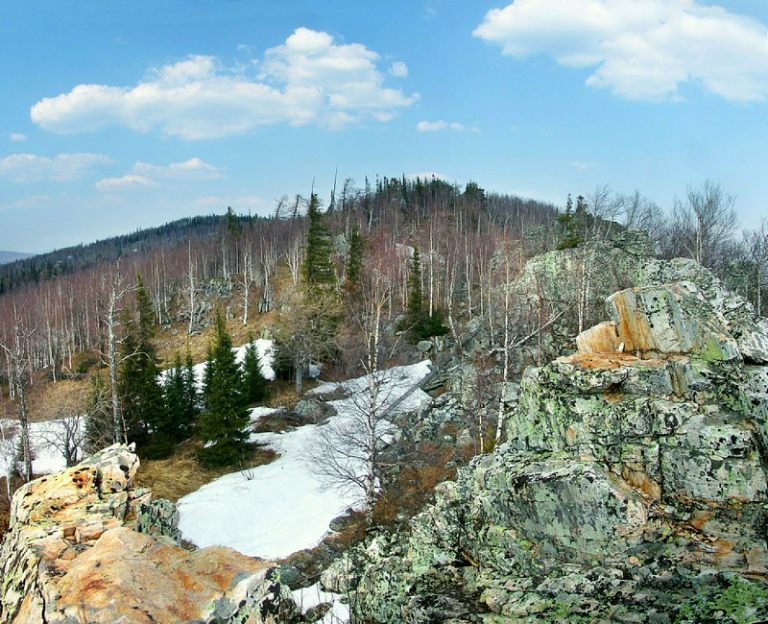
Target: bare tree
point(756, 246)
point(17, 353)
point(112, 314)
point(347, 454)
point(640, 213)
point(306, 332)
point(66, 433)
point(703, 223)
point(8, 451)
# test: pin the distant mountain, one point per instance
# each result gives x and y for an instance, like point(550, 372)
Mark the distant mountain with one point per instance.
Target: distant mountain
point(12, 256)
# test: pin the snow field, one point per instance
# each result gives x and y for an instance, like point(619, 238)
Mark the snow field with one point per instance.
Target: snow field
point(275, 510)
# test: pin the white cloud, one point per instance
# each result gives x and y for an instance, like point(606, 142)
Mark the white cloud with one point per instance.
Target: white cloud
point(64, 167)
point(192, 169)
point(431, 126)
point(398, 69)
point(460, 128)
point(643, 49)
point(146, 175)
point(307, 80)
point(582, 166)
point(17, 136)
point(127, 182)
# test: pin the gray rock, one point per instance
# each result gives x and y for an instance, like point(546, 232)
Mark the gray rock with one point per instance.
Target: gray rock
point(425, 346)
point(313, 410)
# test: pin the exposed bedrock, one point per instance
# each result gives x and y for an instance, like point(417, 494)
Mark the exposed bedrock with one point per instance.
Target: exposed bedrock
point(85, 545)
point(632, 486)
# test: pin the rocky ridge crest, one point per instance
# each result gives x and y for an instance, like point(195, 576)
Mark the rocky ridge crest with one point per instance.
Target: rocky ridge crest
point(632, 487)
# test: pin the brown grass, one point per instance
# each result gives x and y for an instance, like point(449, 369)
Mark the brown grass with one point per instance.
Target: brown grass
point(414, 485)
point(182, 474)
point(65, 398)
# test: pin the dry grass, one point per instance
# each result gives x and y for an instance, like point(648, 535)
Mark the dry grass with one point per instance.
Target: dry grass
point(198, 344)
point(414, 485)
point(182, 474)
point(65, 398)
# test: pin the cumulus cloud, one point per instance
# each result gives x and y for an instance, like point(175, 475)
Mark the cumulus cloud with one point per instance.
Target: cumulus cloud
point(582, 166)
point(642, 49)
point(126, 182)
point(146, 175)
point(431, 126)
point(192, 169)
point(398, 69)
point(310, 79)
point(64, 167)
point(17, 136)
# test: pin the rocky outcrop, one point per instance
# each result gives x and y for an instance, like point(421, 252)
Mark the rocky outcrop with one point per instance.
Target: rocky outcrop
point(584, 277)
point(85, 545)
point(632, 488)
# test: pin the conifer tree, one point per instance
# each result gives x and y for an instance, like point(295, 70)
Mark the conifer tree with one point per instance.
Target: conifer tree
point(254, 382)
point(225, 417)
point(418, 322)
point(182, 405)
point(318, 268)
point(569, 224)
point(143, 403)
point(308, 333)
point(414, 317)
point(354, 262)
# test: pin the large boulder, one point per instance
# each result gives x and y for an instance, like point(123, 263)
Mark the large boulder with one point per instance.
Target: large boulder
point(632, 486)
point(73, 553)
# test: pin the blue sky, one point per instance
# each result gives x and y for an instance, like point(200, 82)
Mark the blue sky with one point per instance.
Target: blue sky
point(126, 114)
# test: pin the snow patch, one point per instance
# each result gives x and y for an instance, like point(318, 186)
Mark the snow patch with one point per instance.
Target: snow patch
point(47, 458)
point(274, 510)
point(309, 597)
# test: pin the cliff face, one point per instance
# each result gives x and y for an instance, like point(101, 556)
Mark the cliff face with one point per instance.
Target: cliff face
point(633, 485)
point(84, 545)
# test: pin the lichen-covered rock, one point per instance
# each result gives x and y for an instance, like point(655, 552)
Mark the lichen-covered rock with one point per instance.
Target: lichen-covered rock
point(632, 486)
point(73, 554)
point(590, 273)
point(672, 319)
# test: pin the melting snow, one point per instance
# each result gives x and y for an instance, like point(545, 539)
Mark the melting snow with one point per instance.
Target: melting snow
point(274, 510)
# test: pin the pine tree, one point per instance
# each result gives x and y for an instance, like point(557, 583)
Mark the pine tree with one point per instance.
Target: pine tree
point(414, 317)
point(254, 382)
point(354, 264)
point(225, 417)
point(142, 397)
point(182, 407)
point(318, 269)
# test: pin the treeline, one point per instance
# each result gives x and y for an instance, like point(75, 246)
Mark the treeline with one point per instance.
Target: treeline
point(70, 260)
point(433, 255)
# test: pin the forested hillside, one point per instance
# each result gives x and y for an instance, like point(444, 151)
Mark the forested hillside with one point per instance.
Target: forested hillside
point(422, 256)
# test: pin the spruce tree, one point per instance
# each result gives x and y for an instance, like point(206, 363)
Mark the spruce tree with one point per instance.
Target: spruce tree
point(354, 264)
point(225, 417)
point(254, 382)
point(192, 400)
point(418, 323)
point(142, 397)
point(414, 317)
point(318, 269)
point(569, 227)
point(182, 406)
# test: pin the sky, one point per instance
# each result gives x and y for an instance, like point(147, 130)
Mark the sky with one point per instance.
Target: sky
point(126, 114)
